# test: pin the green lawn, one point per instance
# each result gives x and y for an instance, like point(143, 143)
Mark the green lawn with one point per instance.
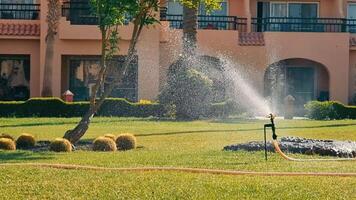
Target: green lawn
point(180, 144)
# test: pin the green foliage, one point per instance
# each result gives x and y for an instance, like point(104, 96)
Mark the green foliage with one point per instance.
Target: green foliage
point(55, 107)
point(60, 145)
point(126, 142)
point(104, 144)
point(210, 5)
point(189, 92)
point(4, 135)
point(329, 110)
point(224, 109)
point(25, 141)
point(7, 144)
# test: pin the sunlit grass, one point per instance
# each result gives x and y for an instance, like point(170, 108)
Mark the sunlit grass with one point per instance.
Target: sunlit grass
point(181, 144)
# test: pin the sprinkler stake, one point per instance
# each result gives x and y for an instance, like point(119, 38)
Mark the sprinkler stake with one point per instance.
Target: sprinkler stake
point(273, 128)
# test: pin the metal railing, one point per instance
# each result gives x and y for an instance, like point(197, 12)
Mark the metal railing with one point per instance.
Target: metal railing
point(206, 21)
point(19, 11)
point(291, 24)
point(79, 13)
point(209, 22)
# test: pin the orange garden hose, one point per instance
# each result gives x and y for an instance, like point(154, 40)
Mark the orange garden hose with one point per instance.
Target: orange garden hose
point(176, 169)
point(280, 152)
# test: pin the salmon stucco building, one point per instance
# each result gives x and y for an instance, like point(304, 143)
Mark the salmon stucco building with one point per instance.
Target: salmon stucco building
point(313, 43)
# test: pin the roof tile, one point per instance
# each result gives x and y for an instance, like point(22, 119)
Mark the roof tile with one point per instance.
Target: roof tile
point(12, 29)
point(251, 39)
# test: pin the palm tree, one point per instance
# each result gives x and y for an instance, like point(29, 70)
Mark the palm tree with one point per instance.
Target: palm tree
point(190, 22)
point(190, 25)
point(53, 16)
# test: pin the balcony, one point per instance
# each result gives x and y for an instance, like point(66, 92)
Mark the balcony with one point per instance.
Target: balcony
point(290, 24)
point(207, 21)
point(79, 13)
point(19, 11)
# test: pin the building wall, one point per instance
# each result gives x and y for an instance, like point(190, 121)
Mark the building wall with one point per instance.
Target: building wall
point(329, 49)
point(25, 47)
point(160, 46)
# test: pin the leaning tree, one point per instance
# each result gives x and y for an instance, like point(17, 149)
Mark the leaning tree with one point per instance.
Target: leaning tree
point(111, 14)
point(53, 16)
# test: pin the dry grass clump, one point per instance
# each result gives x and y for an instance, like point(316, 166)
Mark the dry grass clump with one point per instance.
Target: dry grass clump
point(4, 135)
point(126, 141)
point(104, 144)
point(111, 136)
point(7, 144)
point(25, 141)
point(61, 145)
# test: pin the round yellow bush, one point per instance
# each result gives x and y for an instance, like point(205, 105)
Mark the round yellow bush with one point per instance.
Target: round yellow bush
point(7, 144)
point(111, 136)
point(60, 145)
point(4, 135)
point(25, 141)
point(104, 144)
point(126, 142)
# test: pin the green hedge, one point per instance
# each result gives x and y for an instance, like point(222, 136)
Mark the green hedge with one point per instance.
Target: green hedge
point(329, 110)
point(55, 107)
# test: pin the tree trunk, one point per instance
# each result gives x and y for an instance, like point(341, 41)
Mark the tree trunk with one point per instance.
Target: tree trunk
point(53, 16)
point(74, 135)
point(48, 67)
point(190, 24)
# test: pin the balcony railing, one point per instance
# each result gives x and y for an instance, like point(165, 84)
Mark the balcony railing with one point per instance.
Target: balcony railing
point(209, 22)
point(19, 11)
point(206, 21)
point(79, 13)
point(290, 24)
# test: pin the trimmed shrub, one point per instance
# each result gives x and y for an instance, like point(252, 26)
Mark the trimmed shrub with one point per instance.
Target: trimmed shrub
point(25, 141)
point(60, 145)
point(55, 107)
point(7, 144)
point(189, 92)
point(111, 136)
point(329, 110)
point(4, 135)
point(104, 144)
point(126, 142)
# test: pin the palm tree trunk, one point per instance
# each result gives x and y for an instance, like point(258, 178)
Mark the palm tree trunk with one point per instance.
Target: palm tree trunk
point(190, 24)
point(48, 67)
point(53, 16)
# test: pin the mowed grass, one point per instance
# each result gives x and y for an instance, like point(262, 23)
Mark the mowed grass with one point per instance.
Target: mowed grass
point(182, 144)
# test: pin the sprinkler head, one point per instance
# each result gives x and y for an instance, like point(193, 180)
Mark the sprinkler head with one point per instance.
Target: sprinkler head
point(271, 116)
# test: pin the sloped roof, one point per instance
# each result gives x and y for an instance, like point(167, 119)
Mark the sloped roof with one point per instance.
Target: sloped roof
point(18, 29)
point(251, 39)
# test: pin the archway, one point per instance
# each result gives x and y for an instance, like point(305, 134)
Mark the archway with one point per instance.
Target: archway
point(304, 79)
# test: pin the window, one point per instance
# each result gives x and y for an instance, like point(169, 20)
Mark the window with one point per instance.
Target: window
point(15, 77)
point(293, 16)
point(83, 72)
point(351, 15)
point(18, 9)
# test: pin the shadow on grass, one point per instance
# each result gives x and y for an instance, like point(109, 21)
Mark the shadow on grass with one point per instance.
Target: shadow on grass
point(63, 123)
point(24, 156)
point(242, 130)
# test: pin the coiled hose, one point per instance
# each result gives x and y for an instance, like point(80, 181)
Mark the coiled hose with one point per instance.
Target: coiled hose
point(280, 152)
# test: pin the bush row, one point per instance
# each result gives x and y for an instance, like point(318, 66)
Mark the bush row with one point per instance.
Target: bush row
point(55, 107)
point(112, 107)
point(329, 110)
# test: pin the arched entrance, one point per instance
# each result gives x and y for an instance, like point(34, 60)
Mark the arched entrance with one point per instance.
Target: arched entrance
point(304, 79)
